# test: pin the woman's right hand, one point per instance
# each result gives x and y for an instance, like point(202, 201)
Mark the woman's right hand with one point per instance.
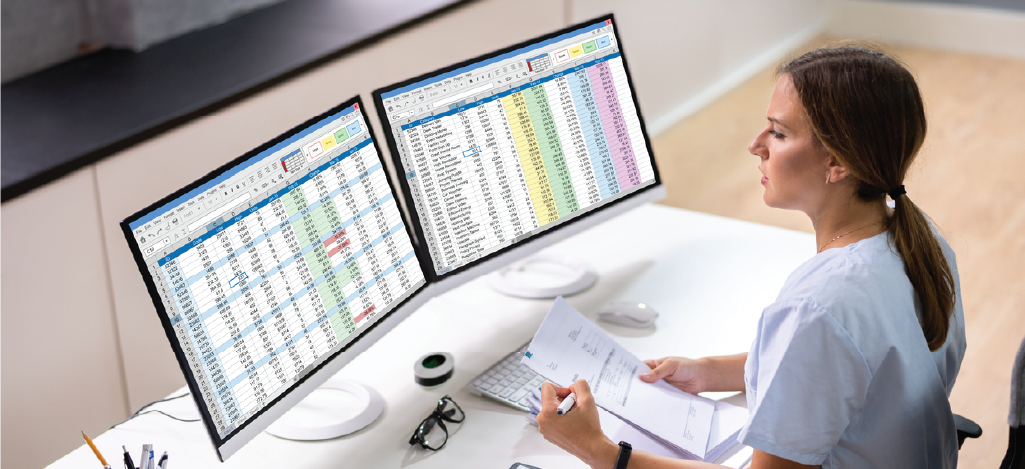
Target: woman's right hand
point(683, 373)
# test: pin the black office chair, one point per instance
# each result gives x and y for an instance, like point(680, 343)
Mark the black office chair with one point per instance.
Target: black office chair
point(1015, 457)
point(966, 428)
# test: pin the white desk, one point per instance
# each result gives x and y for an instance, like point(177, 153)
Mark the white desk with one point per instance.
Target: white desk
point(708, 276)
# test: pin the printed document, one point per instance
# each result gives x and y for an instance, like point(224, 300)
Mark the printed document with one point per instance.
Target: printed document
point(568, 347)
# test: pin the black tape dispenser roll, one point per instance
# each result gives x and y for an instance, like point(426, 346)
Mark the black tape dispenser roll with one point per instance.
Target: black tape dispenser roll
point(434, 368)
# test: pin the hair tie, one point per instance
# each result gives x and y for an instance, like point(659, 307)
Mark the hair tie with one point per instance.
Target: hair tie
point(899, 191)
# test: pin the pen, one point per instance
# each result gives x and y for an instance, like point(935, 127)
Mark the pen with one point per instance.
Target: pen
point(566, 404)
point(129, 464)
point(163, 461)
point(96, 451)
point(147, 451)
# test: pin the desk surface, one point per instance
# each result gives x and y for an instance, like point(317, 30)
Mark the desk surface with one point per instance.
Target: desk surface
point(709, 277)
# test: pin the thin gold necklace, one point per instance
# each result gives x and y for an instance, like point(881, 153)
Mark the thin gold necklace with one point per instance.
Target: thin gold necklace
point(845, 234)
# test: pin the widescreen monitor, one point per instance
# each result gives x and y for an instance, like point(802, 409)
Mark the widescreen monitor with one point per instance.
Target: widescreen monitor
point(276, 269)
point(503, 154)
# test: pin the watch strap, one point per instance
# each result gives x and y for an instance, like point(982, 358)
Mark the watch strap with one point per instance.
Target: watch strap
point(624, 455)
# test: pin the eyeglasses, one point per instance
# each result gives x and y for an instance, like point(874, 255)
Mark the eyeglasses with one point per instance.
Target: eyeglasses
point(431, 433)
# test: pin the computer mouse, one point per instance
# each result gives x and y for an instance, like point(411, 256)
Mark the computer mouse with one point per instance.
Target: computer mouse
point(630, 314)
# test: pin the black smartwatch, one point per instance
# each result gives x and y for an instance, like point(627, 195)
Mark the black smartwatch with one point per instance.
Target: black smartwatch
point(624, 454)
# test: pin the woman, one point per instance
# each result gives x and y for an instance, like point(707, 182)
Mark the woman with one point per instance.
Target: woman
point(853, 364)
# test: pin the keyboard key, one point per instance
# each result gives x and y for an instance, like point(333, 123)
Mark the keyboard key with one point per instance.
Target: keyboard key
point(492, 381)
point(518, 395)
point(496, 389)
point(506, 392)
point(483, 386)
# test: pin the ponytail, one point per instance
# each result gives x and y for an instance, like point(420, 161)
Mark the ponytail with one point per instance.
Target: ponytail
point(926, 267)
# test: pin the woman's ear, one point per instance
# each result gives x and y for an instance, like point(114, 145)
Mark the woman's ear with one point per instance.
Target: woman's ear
point(837, 171)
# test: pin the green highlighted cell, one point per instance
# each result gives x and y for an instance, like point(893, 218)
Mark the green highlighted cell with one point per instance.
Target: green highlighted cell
point(295, 201)
point(317, 223)
point(318, 261)
point(331, 293)
point(342, 323)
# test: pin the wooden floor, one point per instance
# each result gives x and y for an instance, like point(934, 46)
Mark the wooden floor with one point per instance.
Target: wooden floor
point(970, 178)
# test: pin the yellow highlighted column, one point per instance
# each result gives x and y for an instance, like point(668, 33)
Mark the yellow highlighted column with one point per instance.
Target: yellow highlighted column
point(530, 158)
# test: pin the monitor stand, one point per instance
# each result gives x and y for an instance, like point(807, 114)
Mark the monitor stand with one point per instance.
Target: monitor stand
point(544, 276)
point(325, 413)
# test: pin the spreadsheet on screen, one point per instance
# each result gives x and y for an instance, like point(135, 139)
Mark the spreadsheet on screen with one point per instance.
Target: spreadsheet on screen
point(278, 262)
point(499, 150)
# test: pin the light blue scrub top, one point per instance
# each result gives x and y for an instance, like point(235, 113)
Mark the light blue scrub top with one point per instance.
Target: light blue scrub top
point(840, 373)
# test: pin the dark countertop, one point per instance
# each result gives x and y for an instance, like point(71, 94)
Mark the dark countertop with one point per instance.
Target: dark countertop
point(79, 112)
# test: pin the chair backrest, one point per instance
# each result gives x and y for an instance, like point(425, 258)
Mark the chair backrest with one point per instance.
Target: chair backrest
point(1015, 456)
point(1016, 417)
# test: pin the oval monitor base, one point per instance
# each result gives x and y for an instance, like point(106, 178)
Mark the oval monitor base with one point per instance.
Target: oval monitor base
point(544, 276)
point(291, 427)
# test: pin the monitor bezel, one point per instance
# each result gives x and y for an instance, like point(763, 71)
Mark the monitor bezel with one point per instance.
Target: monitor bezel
point(315, 376)
point(534, 243)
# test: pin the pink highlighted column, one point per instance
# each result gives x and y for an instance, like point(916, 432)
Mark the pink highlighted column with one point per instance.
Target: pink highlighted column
point(616, 133)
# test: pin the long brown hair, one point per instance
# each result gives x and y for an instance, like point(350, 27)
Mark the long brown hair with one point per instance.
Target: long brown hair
point(866, 109)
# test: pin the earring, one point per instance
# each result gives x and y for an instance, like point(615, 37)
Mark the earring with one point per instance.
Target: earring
point(827, 177)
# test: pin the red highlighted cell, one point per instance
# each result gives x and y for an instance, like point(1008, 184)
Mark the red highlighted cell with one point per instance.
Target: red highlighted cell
point(365, 312)
point(334, 238)
point(337, 248)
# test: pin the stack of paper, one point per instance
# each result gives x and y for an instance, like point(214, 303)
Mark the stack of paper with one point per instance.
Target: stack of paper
point(727, 420)
point(568, 347)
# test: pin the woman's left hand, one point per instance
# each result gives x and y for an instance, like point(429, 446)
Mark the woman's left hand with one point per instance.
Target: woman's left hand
point(579, 430)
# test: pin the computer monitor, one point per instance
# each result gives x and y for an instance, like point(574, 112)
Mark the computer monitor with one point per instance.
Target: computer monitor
point(276, 269)
point(506, 153)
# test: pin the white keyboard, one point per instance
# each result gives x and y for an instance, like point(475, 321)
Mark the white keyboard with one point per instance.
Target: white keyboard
point(508, 381)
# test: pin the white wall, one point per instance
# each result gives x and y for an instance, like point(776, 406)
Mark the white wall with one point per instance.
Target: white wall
point(61, 362)
point(103, 352)
point(961, 28)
